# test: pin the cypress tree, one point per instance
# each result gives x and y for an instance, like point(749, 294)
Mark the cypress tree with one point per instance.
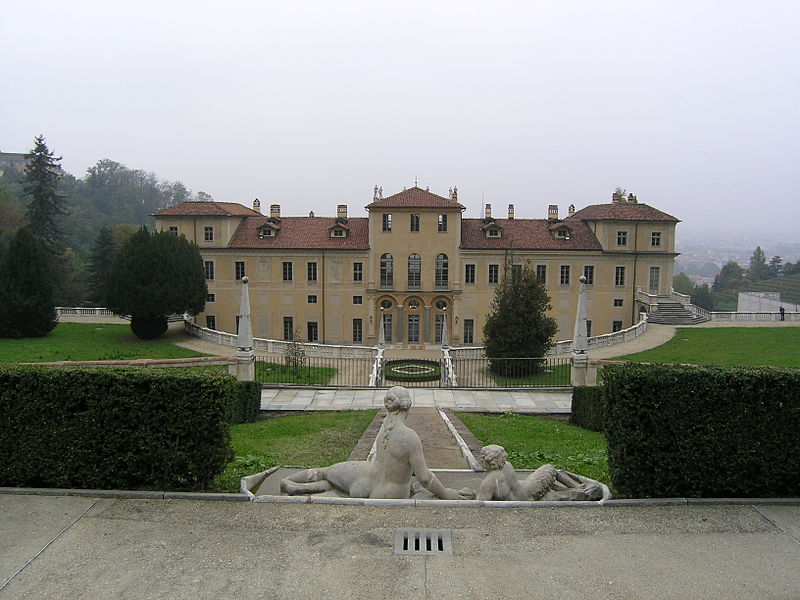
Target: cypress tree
point(153, 276)
point(46, 207)
point(26, 288)
point(102, 257)
point(518, 325)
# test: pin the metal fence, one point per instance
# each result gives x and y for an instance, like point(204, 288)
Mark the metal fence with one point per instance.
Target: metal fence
point(314, 371)
point(482, 372)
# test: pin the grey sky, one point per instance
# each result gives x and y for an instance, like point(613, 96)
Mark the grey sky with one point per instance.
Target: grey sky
point(691, 105)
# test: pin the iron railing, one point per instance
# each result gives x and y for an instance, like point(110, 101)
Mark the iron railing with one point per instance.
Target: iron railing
point(482, 372)
point(314, 371)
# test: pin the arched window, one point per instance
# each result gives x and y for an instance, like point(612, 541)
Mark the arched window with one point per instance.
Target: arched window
point(414, 270)
point(441, 270)
point(387, 270)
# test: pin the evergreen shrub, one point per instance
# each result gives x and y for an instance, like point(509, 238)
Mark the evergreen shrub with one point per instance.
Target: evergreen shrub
point(680, 431)
point(117, 428)
point(588, 408)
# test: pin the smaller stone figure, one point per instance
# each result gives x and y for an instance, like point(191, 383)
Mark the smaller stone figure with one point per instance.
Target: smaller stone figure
point(545, 483)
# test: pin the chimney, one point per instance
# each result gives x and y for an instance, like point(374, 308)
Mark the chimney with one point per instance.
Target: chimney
point(487, 211)
point(510, 212)
point(257, 205)
point(275, 211)
point(552, 212)
point(632, 199)
point(571, 210)
point(341, 211)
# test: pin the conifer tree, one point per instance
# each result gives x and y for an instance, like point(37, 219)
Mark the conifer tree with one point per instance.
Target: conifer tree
point(518, 325)
point(46, 207)
point(104, 250)
point(153, 276)
point(26, 288)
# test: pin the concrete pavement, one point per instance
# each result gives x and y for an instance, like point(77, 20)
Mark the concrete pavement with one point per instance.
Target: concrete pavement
point(87, 548)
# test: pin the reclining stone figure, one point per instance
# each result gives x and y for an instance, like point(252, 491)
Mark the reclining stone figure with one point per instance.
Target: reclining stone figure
point(545, 483)
point(398, 456)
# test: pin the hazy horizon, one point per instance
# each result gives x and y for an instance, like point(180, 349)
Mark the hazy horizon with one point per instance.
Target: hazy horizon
point(690, 105)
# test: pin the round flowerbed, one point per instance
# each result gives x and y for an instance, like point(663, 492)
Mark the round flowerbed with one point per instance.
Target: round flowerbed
point(412, 370)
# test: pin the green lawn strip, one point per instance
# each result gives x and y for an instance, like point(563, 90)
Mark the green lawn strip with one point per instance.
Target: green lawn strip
point(727, 346)
point(552, 376)
point(91, 341)
point(268, 372)
point(306, 439)
point(532, 442)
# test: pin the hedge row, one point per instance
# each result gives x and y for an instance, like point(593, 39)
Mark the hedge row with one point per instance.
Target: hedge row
point(391, 375)
point(588, 408)
point(677, 431)
point(116, 428)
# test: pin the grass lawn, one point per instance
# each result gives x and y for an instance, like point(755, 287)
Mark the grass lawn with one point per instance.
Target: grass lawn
point(733, 346)
point(558, 375)
point(307, 439)
point(268, 372)
point(532, 442)
point(90, 341)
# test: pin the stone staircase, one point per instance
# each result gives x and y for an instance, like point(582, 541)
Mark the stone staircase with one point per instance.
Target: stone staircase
point(674, 313)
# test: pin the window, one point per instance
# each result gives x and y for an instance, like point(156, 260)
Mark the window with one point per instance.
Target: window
point(209, 264)
point(622, 238)
point(312, 271)
point(358, 271)
point(387, 222)
point(564, 274)
point(358, 330)
point(208, 233)
point(588, 272)
point(616, 326)
point(414, 270)
point(439, 325)
point(493, 232)
point(414, 222)
point(386, 320)
point(387, 270)
point(239, 269)
point(442, 223)
point(287, 271)
point(655, 239)
point(655, 276)
point(441, 304)
point(469, 331)
point(413, 304)
point(211, 298)
point(312, 298)
point(516, 272)
point(441, 270)
point(386, 303)
point(358, 300)
point(312, 329)
point(617, 302)
point(588, 328)
point(494, 273)
point(541, 273)
point(619, 276)
point(288, 328)
point(211, 321)
point(338, 232)
point(413, 329)
point(173, 230)
point(469, 274)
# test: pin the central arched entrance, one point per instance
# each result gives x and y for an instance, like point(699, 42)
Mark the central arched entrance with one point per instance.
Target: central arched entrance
point(413, 320)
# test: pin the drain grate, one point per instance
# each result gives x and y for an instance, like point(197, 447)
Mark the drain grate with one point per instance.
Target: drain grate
point(423, 542)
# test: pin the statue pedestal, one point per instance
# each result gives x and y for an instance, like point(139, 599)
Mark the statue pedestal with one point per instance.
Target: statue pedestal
point(582, 373)
point(245, 365)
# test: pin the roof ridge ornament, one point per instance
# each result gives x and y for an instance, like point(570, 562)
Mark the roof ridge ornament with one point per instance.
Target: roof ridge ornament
point(454, 194)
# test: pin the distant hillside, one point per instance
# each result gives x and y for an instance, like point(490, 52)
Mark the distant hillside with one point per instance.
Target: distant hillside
point(789, 287)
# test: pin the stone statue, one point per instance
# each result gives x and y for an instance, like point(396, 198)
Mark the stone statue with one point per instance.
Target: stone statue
point(545, 483)
point(398, 455)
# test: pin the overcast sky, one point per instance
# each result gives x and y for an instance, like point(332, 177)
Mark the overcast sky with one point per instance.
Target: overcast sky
point(692, 105)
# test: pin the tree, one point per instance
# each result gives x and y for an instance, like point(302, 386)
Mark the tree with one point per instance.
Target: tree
point(46, 207)
point(775, 266)
point(759, 270)
point(104, 250)
point(702, 297)
point(26, 288)
point(682, 284)
point(518, 326)
point(155, 275)
point(730, 274)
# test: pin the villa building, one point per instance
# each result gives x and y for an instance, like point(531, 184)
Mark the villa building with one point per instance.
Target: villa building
point(415, 263)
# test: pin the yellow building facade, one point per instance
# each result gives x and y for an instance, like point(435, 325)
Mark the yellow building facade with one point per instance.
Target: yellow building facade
point(415, 267)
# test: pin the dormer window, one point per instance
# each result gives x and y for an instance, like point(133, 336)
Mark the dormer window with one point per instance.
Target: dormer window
point(338, 232)
point(268, 229)
point(493, 232)
point(562, 233)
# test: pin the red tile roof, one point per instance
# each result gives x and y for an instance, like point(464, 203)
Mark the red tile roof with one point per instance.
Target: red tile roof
point(303, 232)
point(526, 234)
point(622, 211)
point(223, 209)
point(415, 197)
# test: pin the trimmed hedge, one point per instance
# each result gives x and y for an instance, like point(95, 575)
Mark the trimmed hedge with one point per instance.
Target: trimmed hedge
point(248, 403)
point(391, 375)
point(679, 431)
point(588, 408)
point(116, 428)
